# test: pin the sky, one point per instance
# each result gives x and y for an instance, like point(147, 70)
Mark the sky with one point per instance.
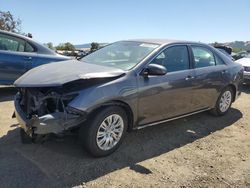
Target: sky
point(84, 21)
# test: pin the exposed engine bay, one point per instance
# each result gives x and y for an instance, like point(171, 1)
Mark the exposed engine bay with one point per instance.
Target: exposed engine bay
point(48, 110)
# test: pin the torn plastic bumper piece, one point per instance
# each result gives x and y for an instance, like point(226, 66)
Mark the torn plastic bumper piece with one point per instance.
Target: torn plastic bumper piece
point(56, 122)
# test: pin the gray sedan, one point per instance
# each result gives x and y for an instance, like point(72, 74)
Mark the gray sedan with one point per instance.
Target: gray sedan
point(124, 86)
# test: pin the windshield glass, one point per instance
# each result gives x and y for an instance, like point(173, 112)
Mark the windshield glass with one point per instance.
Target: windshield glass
point(124, 55)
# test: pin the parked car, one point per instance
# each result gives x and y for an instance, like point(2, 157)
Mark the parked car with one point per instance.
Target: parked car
point(225, 50)
point(19, 54)
point(124, 86)
point(245, 62)
point(240, 55)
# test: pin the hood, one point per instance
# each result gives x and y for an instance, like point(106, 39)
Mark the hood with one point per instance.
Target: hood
point(59, 73)
point(244, 61)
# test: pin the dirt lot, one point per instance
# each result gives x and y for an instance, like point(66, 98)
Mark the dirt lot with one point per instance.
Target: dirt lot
point(198, 151)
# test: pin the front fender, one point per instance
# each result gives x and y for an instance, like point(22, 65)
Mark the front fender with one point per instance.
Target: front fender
point(122, 89)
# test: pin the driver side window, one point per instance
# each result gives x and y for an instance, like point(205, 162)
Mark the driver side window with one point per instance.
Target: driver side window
point(174, 58)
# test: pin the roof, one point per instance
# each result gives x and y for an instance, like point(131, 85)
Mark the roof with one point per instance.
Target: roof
point(15, 34)
point(158, 41)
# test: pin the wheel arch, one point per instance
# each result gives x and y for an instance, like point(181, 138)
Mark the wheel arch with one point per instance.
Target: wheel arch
point(233, 87)
point(126, 107)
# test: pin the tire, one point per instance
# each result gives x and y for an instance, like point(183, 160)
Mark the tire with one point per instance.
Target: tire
point(92, 133)
point(219, 110)
point(25, 138)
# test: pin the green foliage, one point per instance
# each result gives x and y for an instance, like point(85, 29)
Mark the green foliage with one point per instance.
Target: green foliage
point(236, 50)
point(94, 46)
point(216, 44)
point(49, 45)
point(66, 46)
point(9, 23)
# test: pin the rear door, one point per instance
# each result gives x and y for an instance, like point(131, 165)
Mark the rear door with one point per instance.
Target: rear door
point(210, 76)
point(170, 95)
point(16, 57)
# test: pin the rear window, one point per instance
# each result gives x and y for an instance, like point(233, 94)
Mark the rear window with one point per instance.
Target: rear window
point(29, 48)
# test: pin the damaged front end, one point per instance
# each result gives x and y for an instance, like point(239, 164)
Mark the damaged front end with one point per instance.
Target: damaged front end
point(42, 105)
point(42, 111)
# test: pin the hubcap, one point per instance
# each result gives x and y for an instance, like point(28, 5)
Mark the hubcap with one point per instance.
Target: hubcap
point(110, 132)
point(225, 101)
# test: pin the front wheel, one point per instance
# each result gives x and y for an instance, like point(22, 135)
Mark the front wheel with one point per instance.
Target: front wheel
point(224, 102)
point(104, 131)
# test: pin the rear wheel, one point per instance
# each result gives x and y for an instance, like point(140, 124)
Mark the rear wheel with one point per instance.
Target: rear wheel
point(103, 133)
point(224, 102)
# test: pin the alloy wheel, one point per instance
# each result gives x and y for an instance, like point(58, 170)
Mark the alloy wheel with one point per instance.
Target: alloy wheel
point(110, 132)
point(225, 101)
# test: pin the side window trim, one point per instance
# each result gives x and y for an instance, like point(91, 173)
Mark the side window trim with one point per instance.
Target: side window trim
point(165, 48)
point(218, 57)
point(191, 57)
point(34, 48)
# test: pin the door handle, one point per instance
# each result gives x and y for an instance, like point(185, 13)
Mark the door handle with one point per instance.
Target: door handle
point(189, 77)
point(28, 58)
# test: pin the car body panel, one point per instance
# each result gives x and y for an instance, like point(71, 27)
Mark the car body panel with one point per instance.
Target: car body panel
point(122, 89)
point(209, 83)
point(13, 65)
point(154, 92)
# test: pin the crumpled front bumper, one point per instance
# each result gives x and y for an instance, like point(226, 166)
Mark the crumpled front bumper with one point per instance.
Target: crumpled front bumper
point(56, 122)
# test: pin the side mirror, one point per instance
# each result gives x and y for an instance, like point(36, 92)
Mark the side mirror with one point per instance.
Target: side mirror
point(154, 69)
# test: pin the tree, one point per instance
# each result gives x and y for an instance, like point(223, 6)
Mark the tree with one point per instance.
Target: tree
point(69, 46)
point(66, 46)
point(49, 45)
point(94, 46)
point(236, 50)
point(9, 23)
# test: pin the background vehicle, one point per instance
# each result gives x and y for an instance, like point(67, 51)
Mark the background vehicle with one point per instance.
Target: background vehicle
point(245, 62)
point(123, 86)
point(240, 55)
point(225, 50)
point(18, 54)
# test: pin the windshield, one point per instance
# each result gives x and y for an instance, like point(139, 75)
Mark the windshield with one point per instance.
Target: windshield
point(123, 55)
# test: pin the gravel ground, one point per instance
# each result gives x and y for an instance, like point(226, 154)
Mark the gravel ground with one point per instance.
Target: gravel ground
point(198, 151)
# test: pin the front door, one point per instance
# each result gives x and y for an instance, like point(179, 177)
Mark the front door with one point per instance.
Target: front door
point(170, 95)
